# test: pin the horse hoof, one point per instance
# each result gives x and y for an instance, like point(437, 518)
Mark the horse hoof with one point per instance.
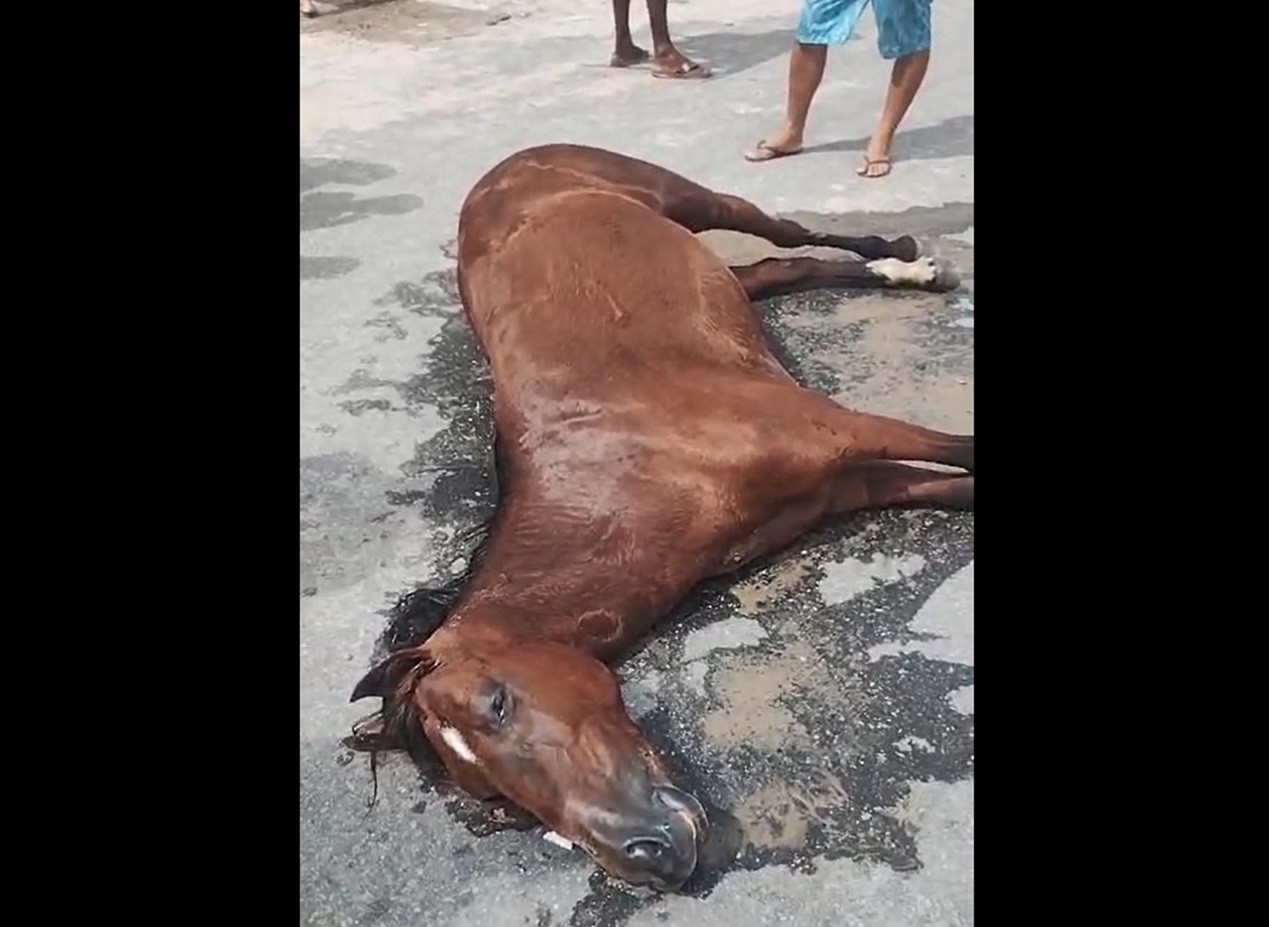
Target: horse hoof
point(946, 276)
point(907, 248)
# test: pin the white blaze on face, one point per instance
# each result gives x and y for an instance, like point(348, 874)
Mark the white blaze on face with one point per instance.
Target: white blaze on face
point(920, 272)
point(455, 741)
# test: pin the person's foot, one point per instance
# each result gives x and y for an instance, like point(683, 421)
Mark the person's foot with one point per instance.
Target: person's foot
point(625, 56)
point(783, 144)
point(876, 159)
point(673, 64)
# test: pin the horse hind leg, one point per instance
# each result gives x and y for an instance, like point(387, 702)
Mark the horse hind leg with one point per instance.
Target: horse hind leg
point(698, 209)
point(775, 276)
point(704, 209)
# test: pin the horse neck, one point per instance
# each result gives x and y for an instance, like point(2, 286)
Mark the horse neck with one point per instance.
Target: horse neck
point(570, 593)
point(561, 608)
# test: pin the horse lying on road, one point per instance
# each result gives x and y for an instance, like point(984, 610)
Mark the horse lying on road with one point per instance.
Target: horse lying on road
point(647, 439)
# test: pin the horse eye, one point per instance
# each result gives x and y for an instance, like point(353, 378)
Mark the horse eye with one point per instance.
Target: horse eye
point(498, 704)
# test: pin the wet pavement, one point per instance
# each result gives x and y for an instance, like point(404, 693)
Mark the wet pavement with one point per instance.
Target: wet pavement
point(820, 703)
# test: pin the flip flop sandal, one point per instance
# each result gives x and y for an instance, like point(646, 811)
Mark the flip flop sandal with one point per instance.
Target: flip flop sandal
point(766, 152)
point(863, 170)
point(688, 70)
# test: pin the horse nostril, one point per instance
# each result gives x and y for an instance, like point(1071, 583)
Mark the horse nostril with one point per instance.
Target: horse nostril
point(648, 849)
point(683, 803)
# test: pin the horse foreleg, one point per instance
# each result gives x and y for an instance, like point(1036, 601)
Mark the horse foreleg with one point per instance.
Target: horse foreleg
point(773, 276)
point(845, 485)
point(825, 459)
point(818, 429)
point(878, 484)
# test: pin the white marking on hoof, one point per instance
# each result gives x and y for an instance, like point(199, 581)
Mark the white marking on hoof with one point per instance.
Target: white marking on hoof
point(552, 837)
point(921, 272)
point(458, 744)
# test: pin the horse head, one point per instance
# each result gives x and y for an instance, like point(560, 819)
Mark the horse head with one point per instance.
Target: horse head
point(543, 725)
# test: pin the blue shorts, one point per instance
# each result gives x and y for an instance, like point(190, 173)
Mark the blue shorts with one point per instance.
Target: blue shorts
point(903, 26)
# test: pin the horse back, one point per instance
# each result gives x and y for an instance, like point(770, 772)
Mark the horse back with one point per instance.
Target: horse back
point(575, 288)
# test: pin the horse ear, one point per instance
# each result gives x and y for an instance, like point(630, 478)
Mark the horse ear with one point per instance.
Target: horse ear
point(384, 679)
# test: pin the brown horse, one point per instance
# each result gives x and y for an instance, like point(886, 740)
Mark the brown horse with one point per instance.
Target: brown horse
point(646, 439)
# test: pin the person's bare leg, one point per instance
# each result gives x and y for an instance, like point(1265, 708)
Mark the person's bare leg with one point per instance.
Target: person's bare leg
point(806, 70)
point(905, 80)
point(625, 51)
point(670, 62)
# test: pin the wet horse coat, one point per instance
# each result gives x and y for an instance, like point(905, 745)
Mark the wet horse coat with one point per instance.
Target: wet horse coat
point(647, 439)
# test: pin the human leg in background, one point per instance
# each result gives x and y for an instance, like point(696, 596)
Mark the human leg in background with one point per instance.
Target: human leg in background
point(823, 23)
point(668, 61)
point(903, 35)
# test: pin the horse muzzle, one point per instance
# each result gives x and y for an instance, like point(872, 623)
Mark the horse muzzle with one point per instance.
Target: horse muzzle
point(659, 845)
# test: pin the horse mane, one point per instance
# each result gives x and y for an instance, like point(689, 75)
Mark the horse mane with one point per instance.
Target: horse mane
point(416, 616)
point(419, 613)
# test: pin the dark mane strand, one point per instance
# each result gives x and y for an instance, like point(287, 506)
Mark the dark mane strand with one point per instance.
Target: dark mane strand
point(419, 613)
point(412, 620)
